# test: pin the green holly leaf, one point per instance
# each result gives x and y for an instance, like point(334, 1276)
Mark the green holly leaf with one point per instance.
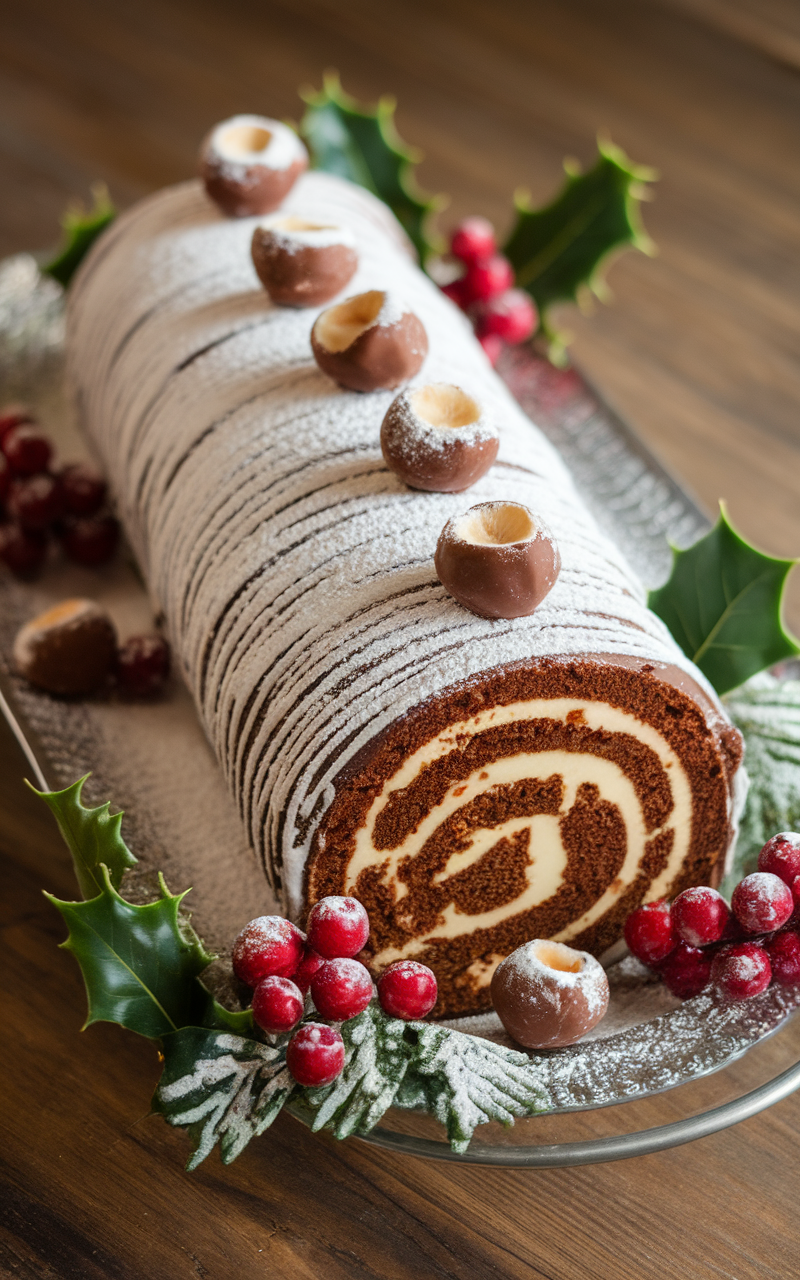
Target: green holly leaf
point(218, 1018)
point(222, 1088)
point(722, 603)
point(560, 252)
point(362, 144)
point(80, 228)
point(139, 963)
point(92, 835)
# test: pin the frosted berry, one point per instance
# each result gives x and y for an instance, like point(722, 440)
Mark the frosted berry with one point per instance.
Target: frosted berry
point(23, 552)
point(796, 892)
point(455, 292)
point(337, 927)
point(35, 501)
point(27, 450)
point(277, 1005)
point(143, 666)
point(784, 957)
point(84, 489)
point(5, 477)
point(268, 946)
point(473, 240)
point(90, 540)
point(686, 971)
point(700, 915)
point(650, 933)
point(13, 415)
point(306, 969)
point(781, 856)
point(341, 989)
point(492, 346)
point(407, 989)
point(762, 902)
point(510, 316)
point(741, 971)
point(485, 280)
point(315, 1054)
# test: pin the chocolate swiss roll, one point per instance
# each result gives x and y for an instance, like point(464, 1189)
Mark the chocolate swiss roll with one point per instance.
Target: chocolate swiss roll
point(476, 782)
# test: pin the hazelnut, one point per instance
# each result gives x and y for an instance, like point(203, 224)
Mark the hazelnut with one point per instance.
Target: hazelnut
point(435, 437)
point(547, 994)
point(300, 263)
point(249, 164)
point(498, 559)
point(369, 342)
point(69, 649)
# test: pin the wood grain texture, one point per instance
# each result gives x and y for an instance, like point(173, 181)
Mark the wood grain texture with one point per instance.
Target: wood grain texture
point(699, 351)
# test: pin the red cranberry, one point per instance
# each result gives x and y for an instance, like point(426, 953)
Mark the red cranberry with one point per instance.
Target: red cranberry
point(341, 989)
point(27, 450)
point(35, 501)
point(268, 946)
point(277, 1005)
point(84, 489)
point(650, 933)
point(473, 240)
point(762, 902)
point(686, 971)
point(306, 969)
point(13, 415)
point(741, 971)
point(784, 956)
point(315, 1054)
point(781, 856)
point(337, 927)
point(487, 279)
point(510, 316)
point(796, 892)
point(700, 915)
point(5, 477)
point(455, 292)
point(407, 989)
point(492, 346)
point(22, 550)
point(143, 666)
point(90, 540)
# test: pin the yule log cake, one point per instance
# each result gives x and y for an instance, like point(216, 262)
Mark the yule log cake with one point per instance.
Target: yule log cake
point(475, 782)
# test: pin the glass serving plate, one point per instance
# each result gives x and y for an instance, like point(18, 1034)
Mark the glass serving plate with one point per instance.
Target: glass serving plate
point(153, 761)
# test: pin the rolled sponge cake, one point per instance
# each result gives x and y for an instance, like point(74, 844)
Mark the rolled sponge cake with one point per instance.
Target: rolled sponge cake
point(476, 783)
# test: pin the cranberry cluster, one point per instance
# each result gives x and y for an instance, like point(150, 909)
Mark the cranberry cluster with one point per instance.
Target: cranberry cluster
point(37, 502)
point(283, 965)
point(699, 941)
point(500, 313)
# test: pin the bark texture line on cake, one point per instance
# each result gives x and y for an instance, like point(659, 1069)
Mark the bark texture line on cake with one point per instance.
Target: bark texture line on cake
point(475, 782)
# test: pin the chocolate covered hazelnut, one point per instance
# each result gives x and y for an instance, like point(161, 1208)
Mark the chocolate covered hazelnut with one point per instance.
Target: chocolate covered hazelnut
point(498, 559)
point(249, 164)
point(302, 263)
point(70, 649)
point(436, 437)
point(369, 342)
point(548, 995)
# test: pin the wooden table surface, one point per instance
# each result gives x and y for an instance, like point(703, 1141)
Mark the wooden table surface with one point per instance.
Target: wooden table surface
point(700, 352)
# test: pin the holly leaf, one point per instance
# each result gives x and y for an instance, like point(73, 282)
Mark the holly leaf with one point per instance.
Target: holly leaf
point(560, 253)
point(222, 1088)
point(139, 963)
point(722, 603)
point(218, 1018)
point(80, 228)
point(362, 144)
point(93, 837)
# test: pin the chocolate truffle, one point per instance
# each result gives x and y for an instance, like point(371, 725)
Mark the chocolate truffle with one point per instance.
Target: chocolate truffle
point(249, 164)
point(498, 559)
point(547, 994)
point(369, 342)
point(70, 649)
point(436, 437)
point(301, 263)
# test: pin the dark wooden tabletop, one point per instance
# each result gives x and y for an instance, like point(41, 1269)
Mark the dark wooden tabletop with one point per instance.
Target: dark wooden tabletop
point(699, 351)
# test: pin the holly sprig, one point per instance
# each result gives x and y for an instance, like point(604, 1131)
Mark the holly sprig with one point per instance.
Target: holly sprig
point(80, 227)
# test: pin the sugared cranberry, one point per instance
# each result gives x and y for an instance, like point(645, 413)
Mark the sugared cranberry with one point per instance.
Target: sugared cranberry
point(473, 240)
point(35, 501)
point(762, 902)
point(686, 971)
point(337, 927)
point(781, 856)
point(21, 550)
point(650, 933)
point(143, 666)
point(13, 415)
point(5, 477)
point(455, 292)
point(407, 989)
point(700, 915)
point(487, 279)
point(27, 450)
point(796, 892)
point(511, 316)
point(84, 489)
point(306, 969)
point(784, 956)
point(277, 1005)
point(341, 989)
point(315, 1054)
point(492, 346)
point(90, 540)
point(741, 971)
point(268, 946)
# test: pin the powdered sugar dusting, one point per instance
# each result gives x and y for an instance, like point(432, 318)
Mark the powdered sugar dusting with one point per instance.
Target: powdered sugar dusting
point(282, 149)
point(529, 962)
point(294, 233)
